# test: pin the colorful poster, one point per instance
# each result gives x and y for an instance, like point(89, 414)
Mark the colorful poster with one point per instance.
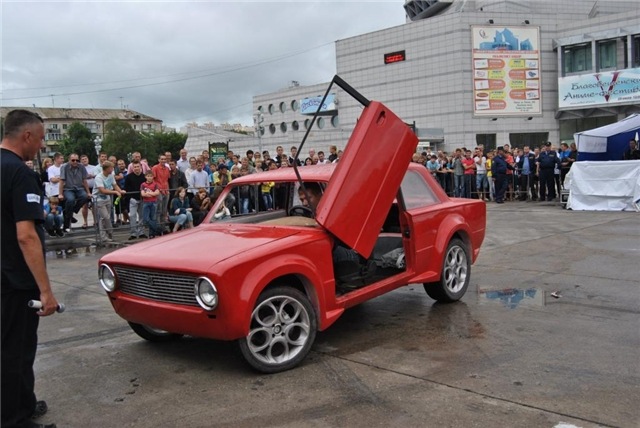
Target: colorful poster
point(599, 89)
point(506, 71)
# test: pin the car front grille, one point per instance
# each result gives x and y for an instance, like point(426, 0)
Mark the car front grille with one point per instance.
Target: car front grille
point(159, 286)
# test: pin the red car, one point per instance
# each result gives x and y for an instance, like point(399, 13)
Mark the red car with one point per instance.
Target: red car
point(340, 234)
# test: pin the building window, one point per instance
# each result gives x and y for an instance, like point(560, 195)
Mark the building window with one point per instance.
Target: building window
point(294, 125)
point(335, 121)
point(577, 58)
point(260, 109)
point(283, 127)
point(54, 126)
point(635, 51)
point(283, 107)
point(295, 105)
point(306, 123)
point(531, 139)
point(607, 55)
point(272, 129)
point(486, 140)
point(135, 127)
point(320, 122)
point(148, 126)
point(65, 126)
point(271, 109)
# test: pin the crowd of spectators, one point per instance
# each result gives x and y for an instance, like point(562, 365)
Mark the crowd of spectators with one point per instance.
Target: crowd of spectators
point(526, 173)
point(172, 194)
point(161, 197)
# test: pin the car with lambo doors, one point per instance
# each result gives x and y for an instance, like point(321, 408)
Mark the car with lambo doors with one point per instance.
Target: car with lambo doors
point(337, 235)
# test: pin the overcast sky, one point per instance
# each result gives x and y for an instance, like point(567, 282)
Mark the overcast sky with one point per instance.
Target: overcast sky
point(217, 55)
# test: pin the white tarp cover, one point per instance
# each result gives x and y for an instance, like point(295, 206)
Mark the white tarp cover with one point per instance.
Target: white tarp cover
point(604, 186)
point(596, 140)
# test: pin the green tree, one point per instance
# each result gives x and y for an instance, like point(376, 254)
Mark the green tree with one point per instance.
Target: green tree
point(120, 139)
point(160, 142)
point(79, 140)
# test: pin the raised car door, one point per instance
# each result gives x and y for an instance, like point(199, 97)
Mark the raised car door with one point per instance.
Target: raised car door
point(367, 178)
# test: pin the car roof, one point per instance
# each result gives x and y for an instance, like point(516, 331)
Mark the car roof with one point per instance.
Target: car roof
point(308, 173)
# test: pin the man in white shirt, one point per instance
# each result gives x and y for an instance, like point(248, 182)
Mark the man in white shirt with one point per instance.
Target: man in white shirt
point(321, 158)
point(482, 183)
point(183, 162)
point(199, 178)
point(54, 175)
point(91, 175)
point(187, 174)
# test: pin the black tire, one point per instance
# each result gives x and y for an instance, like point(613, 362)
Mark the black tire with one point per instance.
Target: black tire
point(282, 330)
point(152, 334)
point(455, 276)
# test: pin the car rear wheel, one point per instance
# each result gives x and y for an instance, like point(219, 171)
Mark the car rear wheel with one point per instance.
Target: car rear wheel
point(153, 334)
point(455, 276)
point(283, 328)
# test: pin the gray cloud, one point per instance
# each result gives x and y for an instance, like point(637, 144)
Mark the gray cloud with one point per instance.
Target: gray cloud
point(243, 48)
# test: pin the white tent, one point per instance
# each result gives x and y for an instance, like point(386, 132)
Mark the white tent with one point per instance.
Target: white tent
point(607, 142)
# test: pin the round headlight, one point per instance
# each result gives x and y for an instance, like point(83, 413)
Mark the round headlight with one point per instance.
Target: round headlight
point(107, 278)
point(206, 293)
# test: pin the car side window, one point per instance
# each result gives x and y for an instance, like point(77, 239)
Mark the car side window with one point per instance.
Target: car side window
point(416, 192)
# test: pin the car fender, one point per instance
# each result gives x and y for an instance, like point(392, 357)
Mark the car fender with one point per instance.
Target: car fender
point(452, 224)
point(260, 276)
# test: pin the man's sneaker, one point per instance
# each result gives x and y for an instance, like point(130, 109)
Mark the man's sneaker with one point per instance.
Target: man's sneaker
point(60, 233)
point(40, 409)
point(51, 232)
point(107, 239)
point(74, 220)
point(143, 236)
point(67, 230)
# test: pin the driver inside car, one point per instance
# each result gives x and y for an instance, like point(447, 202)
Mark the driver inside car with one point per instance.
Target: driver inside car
point(351, 270)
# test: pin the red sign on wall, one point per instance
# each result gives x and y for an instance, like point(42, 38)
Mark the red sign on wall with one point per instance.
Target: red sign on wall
point(394, 57)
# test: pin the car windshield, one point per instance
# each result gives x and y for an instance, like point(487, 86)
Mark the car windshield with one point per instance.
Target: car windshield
point(263, 202)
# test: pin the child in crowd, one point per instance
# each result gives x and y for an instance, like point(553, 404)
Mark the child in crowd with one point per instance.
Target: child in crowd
point(149, 192)
point(267, 199)
point(54, 220)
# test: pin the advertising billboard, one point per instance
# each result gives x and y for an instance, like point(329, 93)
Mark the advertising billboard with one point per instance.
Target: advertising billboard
point(506, 70)
point(310, 105)
point(217, 151)
point(599, 89)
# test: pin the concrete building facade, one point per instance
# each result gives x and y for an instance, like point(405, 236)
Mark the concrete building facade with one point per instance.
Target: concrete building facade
point(57, 120)
point(480, 72)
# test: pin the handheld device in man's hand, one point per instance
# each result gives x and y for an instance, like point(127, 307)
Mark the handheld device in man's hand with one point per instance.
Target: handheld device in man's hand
point(37, 304)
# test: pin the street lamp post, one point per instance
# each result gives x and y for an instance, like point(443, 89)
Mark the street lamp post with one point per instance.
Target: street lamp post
point(258, 119)
point(97, 142)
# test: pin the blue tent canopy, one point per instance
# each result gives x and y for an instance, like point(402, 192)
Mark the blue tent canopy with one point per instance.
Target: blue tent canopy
point(607, 142)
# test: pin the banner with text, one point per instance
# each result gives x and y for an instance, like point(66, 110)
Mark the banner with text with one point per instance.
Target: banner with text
point(310, 105)
point(606, 88)
point(506, 70)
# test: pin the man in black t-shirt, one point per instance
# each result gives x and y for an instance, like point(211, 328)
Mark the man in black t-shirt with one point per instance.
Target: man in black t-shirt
point(24, 274)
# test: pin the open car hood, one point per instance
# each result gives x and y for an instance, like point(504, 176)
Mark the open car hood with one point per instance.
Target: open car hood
point(367, 178)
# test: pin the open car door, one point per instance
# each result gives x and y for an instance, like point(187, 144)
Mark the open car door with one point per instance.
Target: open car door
point(367, 178)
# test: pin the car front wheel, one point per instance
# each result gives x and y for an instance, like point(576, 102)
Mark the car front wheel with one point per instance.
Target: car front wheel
point(282, 330)
point(455, 276)
point(153, 334)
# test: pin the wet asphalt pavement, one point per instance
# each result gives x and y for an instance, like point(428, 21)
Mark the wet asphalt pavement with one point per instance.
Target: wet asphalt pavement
point(509, 354)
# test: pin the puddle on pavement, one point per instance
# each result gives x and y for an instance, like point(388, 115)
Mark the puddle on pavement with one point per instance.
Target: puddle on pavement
point(513, 298)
